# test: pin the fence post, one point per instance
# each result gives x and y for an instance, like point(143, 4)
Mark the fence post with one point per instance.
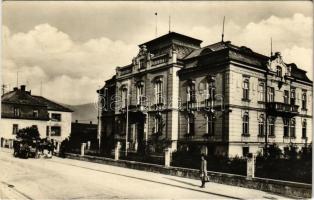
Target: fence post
point(83, 149)
point(250, 170)
point(117, 151)
point(167, 157)
point(88, 145)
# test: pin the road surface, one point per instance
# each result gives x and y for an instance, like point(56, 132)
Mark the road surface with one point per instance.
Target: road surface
point(59, 178)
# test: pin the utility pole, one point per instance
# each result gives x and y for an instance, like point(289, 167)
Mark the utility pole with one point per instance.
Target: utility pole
point(127, 124)
point(3, 88)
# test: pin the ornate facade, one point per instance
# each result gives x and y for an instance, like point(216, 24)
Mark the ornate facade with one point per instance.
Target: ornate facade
point(222, 98)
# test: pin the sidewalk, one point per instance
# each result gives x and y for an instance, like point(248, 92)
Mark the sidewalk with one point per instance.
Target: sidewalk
point(225, 191)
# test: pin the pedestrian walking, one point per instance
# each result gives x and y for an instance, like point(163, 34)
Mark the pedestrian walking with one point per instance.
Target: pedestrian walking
point(203, 171)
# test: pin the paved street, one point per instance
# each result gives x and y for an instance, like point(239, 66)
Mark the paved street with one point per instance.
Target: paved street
point(58, 178)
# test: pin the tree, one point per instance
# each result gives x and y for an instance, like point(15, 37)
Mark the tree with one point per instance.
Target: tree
point(28, 133)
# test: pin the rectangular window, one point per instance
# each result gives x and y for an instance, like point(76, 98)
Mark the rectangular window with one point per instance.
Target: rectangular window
point(285, 127)
point(292, 128)
point(261, 126)
point(158, 92)
point(15, 129)
point(271, 94)
point(304, 100)
point(292, 97)
point(210, 127)
point(142, 64)
point(55, 131)
point(245, 124)
point(191, 125)
point(246, 89)
point(124, 97)
point(304, 129)
point(271, 126)
point(261, 92)
point(245, 151)
point(17, 112)
point(140, 94)
point(286, 97)
point(35, 113)
point(47, 131)
point(55, 117)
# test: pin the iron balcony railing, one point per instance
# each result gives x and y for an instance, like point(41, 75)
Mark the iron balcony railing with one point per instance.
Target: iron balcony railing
point(280, 108)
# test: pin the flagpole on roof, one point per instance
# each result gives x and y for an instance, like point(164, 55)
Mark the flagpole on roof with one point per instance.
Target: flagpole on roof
point(156, 30)
point(223, 29)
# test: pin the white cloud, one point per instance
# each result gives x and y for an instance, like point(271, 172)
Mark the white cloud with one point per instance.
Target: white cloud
point(292, 36)
point(76, 69)
point(49, 55)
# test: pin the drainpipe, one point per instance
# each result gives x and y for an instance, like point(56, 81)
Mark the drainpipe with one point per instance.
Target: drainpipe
point(266, 115)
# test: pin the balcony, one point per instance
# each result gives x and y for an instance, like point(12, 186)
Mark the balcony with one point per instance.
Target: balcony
point(282, 109)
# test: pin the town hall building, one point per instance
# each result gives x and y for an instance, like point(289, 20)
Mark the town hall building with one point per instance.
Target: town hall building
point(222, 99)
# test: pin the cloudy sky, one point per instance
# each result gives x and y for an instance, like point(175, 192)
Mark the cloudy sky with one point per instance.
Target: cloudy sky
point(72, 47)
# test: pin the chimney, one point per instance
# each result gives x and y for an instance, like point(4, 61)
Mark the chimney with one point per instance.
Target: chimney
point(23, 88)
point(90, 122)
point(15, 89)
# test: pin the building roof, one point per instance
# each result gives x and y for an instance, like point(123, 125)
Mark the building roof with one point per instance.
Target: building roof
point(241, 54)
point(173, 35)
point(23, 97)
point(52, 105)
point(298, 73)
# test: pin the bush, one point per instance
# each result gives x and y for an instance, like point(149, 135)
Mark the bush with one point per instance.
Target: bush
point(291, 166)
point(223, 164)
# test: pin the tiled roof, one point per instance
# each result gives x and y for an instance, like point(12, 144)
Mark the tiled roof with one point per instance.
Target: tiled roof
point(21, 97)
point(241, 54)
point(298, 73)
point(172, 35)
point(52, 105)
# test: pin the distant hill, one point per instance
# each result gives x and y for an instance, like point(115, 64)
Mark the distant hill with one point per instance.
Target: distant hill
point(83, 113)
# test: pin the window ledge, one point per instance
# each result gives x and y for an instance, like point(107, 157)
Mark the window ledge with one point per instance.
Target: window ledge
point(261, 102)
point(304, 109)
point(246, 100)
point(271, 136)
point(245, 135)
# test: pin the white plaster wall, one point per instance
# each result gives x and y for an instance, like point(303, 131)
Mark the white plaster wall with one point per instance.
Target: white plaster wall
point(6, 126)
point(65, 124)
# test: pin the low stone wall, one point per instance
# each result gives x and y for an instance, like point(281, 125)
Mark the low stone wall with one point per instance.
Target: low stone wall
point(286, 188)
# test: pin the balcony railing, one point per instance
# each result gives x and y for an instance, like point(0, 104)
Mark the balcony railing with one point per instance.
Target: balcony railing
point(282, 109)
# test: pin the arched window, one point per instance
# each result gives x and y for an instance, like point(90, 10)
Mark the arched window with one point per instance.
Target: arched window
point(292, 97)
point(261, 92)
point(261, 125)
point(140, 93)
point(304, 129)
point(191, 91)
point(279, 71)
point(246, 89)
point(124, 97)
point(245, 124)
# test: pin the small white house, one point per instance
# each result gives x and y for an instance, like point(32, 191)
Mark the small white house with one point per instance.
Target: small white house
point(21, 109)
